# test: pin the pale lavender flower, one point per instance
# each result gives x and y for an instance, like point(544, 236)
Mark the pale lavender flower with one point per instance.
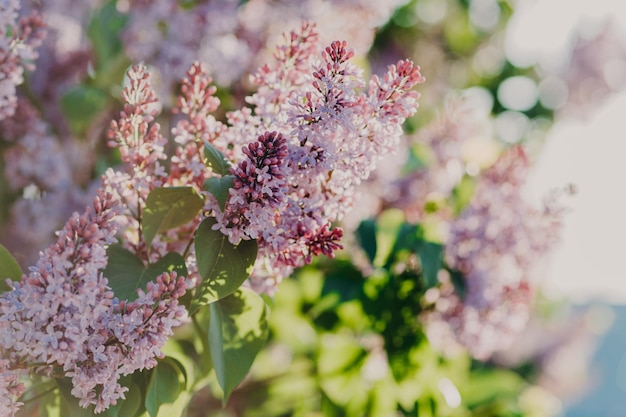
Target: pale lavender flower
point(64, 314)
point(36, 159)
point(171, 36)
point(499, 244)
point(19, 40)
point(10, 389)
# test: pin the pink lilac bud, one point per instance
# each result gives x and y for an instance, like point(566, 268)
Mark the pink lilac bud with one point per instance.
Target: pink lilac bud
point(258, 189)
point(10, 389)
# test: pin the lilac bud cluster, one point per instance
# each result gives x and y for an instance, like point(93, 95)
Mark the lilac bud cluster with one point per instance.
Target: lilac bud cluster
point(196, 102)
point(258, 190)
point(142, 148)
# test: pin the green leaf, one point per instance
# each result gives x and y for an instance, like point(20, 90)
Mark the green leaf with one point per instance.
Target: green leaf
point(222, 265)
point(127, 273)
point(238, 330)
point(104, 30)
point(167, 208)
point(463, 193)
point(219, 188)
point(388, 225)
point(165, 385)
point(216, 160)
point(9, 268)
point(489, 384)
point(81, 105)
point(431, 257)
point(339, 367)
point(366, 234)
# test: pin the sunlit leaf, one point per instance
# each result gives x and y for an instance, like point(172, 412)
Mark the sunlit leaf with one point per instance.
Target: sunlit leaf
point(222, 265)
point(216, 160)
point(237, 332)
point(388, 226)
point(219, 188)
point(127, 273)
point(167, 208)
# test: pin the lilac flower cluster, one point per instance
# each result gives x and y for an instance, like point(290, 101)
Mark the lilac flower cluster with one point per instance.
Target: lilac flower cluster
point(258, 190)
point(499, 244)
point(19, 40)
point(141, 147)
point(324, 138)
point(64, 315)
point(198, 126)
point(231, 37)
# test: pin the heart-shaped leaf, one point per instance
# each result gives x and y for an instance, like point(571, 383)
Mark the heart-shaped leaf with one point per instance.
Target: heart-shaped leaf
point(216, 160)
point(167, 208)
point(237, 332)
point(222, 265)
point(219, 188)
point(127, 273)
point(165, 386)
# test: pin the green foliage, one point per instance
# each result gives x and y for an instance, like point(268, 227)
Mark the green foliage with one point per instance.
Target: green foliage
point(81, 106)
point(219, 186)
point(165, 386)
point(127, 273)
point(9, 268)
point(167, 208)
point(104, 32)
point(222, 265)
point(216, 160)
point(237, 332)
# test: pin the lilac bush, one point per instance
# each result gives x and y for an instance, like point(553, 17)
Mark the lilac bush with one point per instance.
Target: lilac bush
point(187, 214)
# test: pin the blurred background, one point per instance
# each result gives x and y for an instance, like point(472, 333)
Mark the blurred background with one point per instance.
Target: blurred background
point(586, 147)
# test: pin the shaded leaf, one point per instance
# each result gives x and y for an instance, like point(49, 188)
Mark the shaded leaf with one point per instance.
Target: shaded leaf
point(164, 387)
point(219, 188)
point(431, 257)
point(216, 160)
point(238, 330)
point(167, 208)
point(366, 234)
point(9, 268)
point(103, 31)
point(81, 105)
point(127, 273)
point(222, 265)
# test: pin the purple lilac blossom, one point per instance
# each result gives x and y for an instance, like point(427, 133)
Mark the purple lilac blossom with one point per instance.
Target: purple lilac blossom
point(63, 314)
point(334, 134)
point(142, 148)
point(19, 40)
point(499, 244)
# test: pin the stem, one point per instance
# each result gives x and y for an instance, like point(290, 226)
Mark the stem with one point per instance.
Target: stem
point(188, 248)
point(41, 394)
